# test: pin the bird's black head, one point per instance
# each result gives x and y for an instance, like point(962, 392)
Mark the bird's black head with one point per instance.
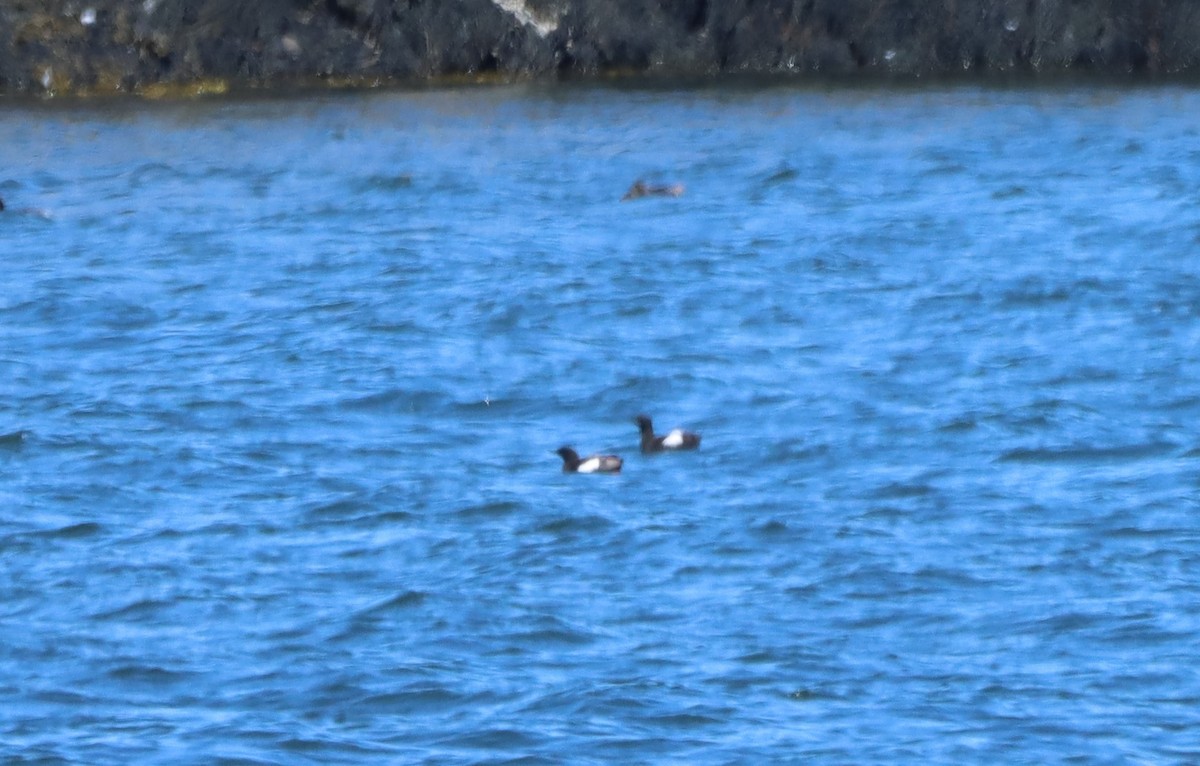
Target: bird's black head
point(566, 453)
point(644, 424)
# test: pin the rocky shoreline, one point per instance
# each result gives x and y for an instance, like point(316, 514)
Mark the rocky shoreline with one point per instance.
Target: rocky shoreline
point(179, 47)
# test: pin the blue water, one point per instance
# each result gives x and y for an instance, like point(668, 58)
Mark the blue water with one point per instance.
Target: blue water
point(281, 382)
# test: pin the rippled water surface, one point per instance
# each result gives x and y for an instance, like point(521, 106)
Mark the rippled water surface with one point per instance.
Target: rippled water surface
point(281, 382)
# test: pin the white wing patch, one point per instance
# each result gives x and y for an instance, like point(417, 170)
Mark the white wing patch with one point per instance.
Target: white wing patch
point(673, 439)
point(591, 465)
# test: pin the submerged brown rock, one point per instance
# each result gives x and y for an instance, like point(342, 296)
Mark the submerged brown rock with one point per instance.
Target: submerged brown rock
point(196, 46)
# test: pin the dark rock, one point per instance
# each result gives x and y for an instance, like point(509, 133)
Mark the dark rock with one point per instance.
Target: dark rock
point(64, 46)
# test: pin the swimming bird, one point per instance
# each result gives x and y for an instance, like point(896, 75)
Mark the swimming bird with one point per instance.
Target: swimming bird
point(572, 463)
point(33, 211)
point(673, 440)
point(642, 189)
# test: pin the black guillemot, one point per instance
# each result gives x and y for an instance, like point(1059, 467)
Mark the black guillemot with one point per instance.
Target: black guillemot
point(572, 463)
point(673, 440)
